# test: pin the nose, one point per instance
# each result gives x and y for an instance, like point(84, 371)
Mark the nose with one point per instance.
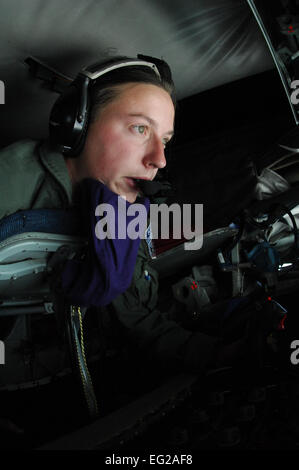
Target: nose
point(155, 154)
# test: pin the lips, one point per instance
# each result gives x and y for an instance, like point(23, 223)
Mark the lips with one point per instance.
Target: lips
point(131, 182)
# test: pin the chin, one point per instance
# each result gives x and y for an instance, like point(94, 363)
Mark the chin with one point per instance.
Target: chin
point(131, 199)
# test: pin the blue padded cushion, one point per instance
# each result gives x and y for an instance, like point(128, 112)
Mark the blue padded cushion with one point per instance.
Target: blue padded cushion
point(63, 222)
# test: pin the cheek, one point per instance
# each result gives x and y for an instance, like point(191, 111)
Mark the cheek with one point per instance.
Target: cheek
point(101, 152)
point(108, 163)
point(116, 154)
point(109, 152)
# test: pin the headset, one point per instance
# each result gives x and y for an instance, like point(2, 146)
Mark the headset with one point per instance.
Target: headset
point(70, 114)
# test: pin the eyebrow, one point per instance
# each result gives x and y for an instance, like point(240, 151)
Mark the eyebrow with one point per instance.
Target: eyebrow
point(151, 121)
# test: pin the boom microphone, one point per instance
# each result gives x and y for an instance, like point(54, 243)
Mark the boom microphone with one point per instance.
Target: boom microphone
point(150, 188)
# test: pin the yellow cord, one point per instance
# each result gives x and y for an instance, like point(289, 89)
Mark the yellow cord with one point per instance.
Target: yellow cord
point(84, 359)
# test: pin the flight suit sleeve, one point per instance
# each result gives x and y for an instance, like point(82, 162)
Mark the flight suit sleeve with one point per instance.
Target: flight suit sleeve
point(162, 341)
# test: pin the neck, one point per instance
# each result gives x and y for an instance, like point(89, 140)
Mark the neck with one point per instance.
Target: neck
point(71, 166)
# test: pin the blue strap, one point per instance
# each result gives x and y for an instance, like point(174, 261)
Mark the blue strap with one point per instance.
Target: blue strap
point(64, 222)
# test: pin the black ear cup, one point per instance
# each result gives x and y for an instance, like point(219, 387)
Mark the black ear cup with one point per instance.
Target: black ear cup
point(68, 122)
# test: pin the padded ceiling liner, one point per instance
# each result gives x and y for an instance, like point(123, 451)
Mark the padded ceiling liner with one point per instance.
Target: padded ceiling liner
point(206, 42)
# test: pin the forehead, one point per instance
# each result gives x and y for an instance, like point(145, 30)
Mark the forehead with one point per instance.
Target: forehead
point(140, 98)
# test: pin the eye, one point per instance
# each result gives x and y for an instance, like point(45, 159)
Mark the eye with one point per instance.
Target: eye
point(141, 129)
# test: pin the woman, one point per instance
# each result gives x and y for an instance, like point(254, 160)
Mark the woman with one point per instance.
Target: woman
point(130, 119)
point(109, 127)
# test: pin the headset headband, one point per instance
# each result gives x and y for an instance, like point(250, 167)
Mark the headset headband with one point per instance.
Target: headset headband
point(93, 72)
